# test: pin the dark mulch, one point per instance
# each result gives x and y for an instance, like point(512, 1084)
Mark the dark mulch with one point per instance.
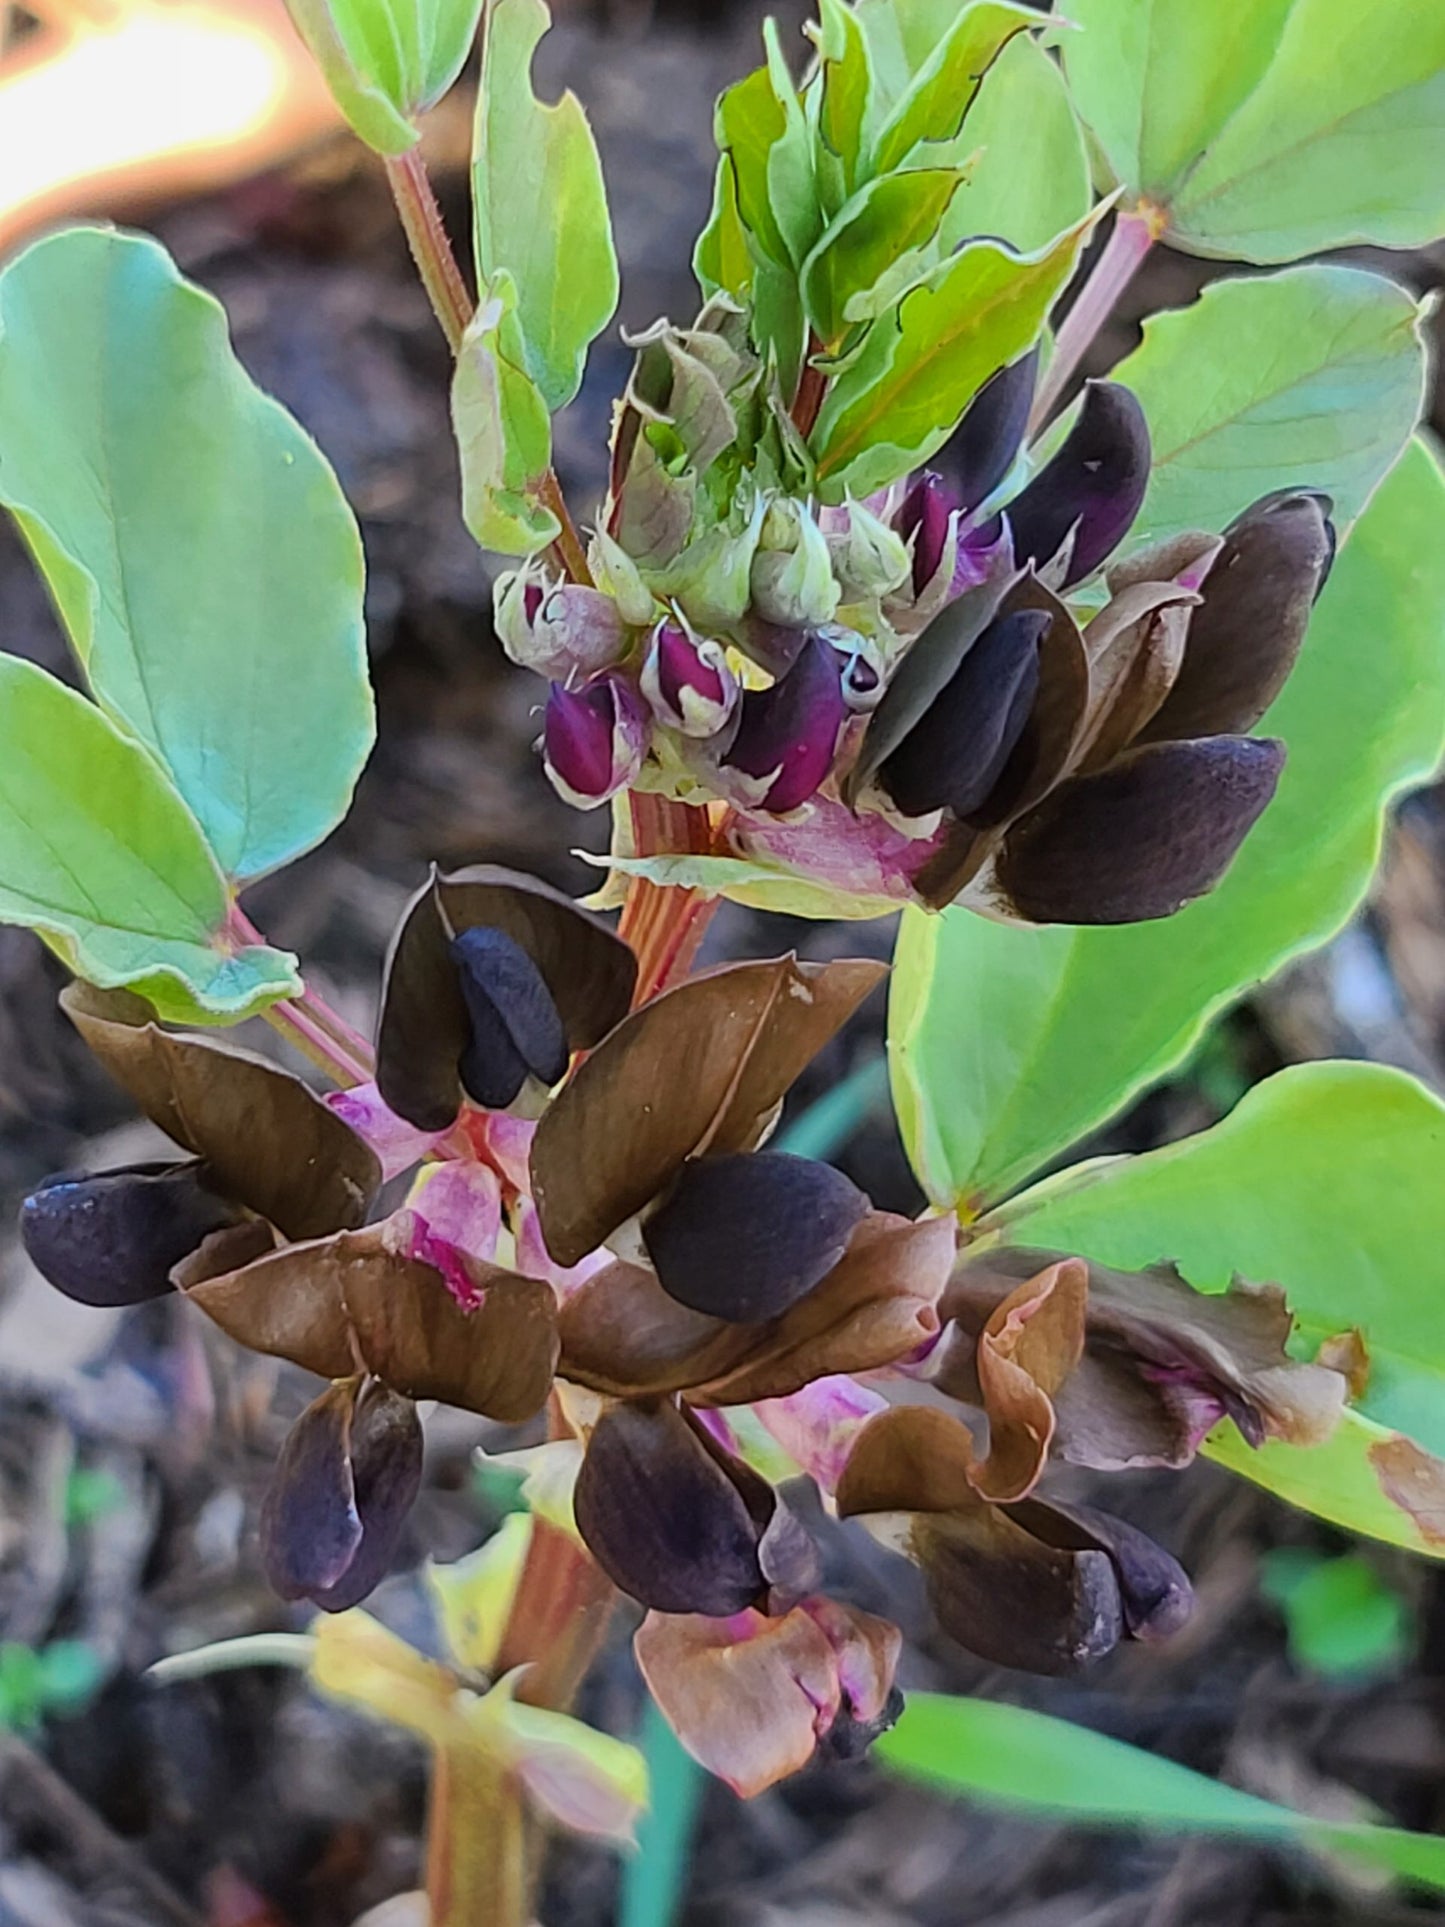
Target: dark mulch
point(193, 1803)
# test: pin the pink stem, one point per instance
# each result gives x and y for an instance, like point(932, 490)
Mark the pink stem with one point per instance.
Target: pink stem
point(315, 1028)
point(1135, 232)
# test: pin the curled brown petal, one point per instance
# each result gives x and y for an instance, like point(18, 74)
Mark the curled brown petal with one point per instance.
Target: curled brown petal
point(425, 1030)
point(358, 1300)
point(700, 1068)
point(268, 1142)
point(1028, 1348)
point(622, 1334)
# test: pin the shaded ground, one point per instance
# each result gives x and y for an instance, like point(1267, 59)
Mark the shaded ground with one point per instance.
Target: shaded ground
point(133, 1451)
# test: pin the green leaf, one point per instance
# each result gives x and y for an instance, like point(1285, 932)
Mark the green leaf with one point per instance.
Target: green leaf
point(540, 204)
point(792, 189)
point(503, 432)
point(846, 93)
point(386, 61)
point(722, 258)
point(749, 121)
point(1269, 129)
point(1009, 1756)
point(888, 221)
point(198, 547)
point(1023, 191)
point(1008, 1045)
point(942, 90)
point(102, 857)
point(919, 368)
point(1316, 379)
point(1342, 1618)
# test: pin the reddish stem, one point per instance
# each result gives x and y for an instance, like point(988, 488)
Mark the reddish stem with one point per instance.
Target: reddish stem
point(1135, 232)
point(812, 387)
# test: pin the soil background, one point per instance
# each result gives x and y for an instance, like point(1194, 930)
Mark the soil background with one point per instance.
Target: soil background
point(134, 1449)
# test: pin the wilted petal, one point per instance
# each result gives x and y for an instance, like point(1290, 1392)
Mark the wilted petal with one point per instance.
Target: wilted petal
point(864, 855)
point(744, 1237)
point(787, 734)
point(688, 681)
point(955, 753)
point(594, 739)
point(1082, 503)
point(1245, 636)
point(1136, 646)
point(516, 1029)
point(397, 1144)
point(984, 446)
point(1026, 1352)
point(362, 1297)
point(1163, 1363)
point(621, 1332)
point(625, 1122)
point(583, 1780)
point(1154, 1589)
point(457, 1209)
point(425, 1028)
point(1142, 838)
point(339, 1497)
point(751, 1698)
point(267, 1140)
point(113, 1237)
point(817, 1425)
point(664, 1515)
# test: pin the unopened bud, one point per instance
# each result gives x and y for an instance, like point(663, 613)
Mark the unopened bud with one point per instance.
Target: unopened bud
point(792, 580)
point(561, 632)
point(594, 739)
point(688, 681)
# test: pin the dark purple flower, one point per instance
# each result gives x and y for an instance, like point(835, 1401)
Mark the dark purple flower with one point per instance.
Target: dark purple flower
point(112, 1238)
point(687, 681)
point(1082, 503)
point(594, 738)
point(787, 734)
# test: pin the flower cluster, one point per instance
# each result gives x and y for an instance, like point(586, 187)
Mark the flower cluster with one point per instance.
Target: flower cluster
point(709, 1315)
point(895, 698)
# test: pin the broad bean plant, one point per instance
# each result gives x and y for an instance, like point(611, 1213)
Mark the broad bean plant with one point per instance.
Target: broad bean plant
point(1101, 690)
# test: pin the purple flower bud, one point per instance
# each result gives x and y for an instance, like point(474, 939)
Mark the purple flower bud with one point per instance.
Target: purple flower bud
point(787, 734)
point(566, 632)
point(594, 739)
point(985, 553)
point(982, 449)
point(113, 1238)
point(928, 515)
point(1081, 505)
point(688, 681)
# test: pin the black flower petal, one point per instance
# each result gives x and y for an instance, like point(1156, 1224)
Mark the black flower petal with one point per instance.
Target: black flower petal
point(516, 1030)
point(111, 1238)
point(1091, 489)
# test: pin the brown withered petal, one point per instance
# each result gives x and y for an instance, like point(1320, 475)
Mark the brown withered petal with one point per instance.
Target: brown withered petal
point(337, 1305)
point(1045, 752)
point(744, 1237)
point(111, 1237)
point(1154, 1589)
point(699, 1069)
point(932, 661)
point(622, 1334)
point(992, 1584)
point(1247, 633)
point(1142, 838)
point(268, 1142)
point(751, 1697)
point(1026, 1351)
point(1162, 1363)
point(340, 1494)
point(424, 1030)
point(663, 1515)
point(1136, 645)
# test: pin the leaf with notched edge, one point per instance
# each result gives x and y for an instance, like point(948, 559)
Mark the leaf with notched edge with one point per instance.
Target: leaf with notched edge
point(622, 1334)
point(269, 1142)
point(424, 1029)
point(699, 1069)
point(358, 1300)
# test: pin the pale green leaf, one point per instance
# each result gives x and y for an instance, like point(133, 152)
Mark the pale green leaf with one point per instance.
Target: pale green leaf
point(918, 369)
point(100, 855)
point(504, 435)
point(749, 121)
point(1311, 378)
point(1343, 1619)
point(1008, 1045)
point(888, 221)
point(722, 258)
point(792, 189)
point(942, 90)
point(1024, 191)
point(1010, 1756)
point(846, 96)
point(198, 547)
point(387, 60)
point(1271, 128)
point(540, 204)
